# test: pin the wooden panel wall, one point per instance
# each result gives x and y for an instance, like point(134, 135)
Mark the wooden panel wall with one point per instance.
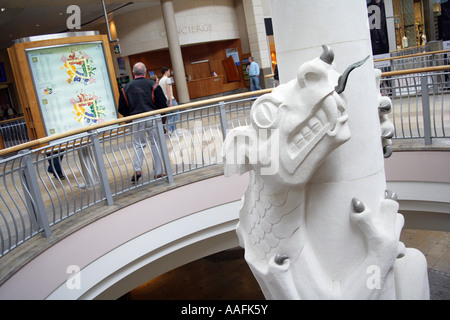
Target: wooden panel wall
point(209, 58)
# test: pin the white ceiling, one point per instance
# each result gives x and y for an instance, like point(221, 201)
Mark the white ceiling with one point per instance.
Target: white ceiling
point(24, 18)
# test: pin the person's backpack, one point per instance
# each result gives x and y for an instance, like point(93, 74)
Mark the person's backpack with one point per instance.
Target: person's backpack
point(125, 109)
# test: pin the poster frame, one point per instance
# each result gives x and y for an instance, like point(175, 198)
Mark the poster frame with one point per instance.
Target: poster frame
point(24, 82)
point(37, 48)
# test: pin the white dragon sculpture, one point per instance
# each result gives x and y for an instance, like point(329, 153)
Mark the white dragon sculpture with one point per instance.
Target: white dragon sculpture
point(292, 131)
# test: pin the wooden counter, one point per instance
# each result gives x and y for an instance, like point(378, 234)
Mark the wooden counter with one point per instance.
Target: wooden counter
point(205, 87)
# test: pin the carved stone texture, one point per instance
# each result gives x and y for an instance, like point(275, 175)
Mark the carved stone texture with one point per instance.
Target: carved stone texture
point(293, 130)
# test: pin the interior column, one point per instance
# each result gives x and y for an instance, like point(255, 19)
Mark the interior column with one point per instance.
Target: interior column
point(175, 50)
point(356, 169)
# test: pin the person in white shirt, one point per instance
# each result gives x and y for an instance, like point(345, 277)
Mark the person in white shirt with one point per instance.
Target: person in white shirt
point(253, 72)
point(166, 85)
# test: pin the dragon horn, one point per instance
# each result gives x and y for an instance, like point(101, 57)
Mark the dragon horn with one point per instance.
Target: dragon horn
point(327, 54)
point(342, 82)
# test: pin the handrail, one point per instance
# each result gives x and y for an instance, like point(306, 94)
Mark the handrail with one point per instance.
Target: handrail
point(409, 48)
point(413, 55)
point(412, 71)
point(12, 119)
point(102, 168)
point(48, 139)
point(74, 132)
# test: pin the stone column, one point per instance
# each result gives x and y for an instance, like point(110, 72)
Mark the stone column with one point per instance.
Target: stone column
point(429, 20)
point(175, 50)
point(259, 49)
point(356, 169)
point(389, 7)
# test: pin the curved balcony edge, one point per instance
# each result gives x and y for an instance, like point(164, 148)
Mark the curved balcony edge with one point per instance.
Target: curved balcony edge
point(132, 246)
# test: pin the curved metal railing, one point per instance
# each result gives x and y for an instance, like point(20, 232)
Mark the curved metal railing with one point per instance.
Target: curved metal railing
point(97, 162)
point(13, 132)
point(48, 180)
point(420, 101)
point(413, 61)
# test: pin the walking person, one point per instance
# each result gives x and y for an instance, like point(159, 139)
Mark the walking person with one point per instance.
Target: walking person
point(54, 165)
point(166, 85)
point(253, 72)
point(164, 118)
point(138, 97)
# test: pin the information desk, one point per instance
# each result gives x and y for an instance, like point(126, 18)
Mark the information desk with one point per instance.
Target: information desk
point(205, 87)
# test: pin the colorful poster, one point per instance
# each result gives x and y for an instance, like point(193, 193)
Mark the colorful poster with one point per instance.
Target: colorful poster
point(72, 85)
point(233, 52)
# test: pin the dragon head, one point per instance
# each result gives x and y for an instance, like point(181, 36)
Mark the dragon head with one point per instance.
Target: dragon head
point(294, 127)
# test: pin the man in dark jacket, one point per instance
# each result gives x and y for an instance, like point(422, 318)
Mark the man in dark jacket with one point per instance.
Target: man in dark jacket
point(143, 95)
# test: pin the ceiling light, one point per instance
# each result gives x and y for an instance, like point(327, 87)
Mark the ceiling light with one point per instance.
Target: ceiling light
point(2, 9)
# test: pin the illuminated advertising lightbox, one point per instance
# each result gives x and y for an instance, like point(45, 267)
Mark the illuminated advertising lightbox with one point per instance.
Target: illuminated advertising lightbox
point(72, 85)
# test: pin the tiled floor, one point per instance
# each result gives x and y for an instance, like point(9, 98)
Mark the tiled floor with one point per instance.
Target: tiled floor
point(226, 275)
point(433, 244)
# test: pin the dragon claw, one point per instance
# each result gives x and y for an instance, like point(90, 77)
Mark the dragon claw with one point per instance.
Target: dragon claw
point(387, 151)
point(384, 108)
point(358, 206)
point(388, 194)
point(279, 259)
point(388, 134)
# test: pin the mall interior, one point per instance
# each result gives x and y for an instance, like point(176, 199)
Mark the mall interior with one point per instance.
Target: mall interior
point(207, 46)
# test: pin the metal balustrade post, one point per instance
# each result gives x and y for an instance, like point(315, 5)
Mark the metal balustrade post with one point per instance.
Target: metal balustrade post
point(223, 119)
point(164, 149)
point(37, 212)
point(87, 167)
point(426, 110)
point(98, 156)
